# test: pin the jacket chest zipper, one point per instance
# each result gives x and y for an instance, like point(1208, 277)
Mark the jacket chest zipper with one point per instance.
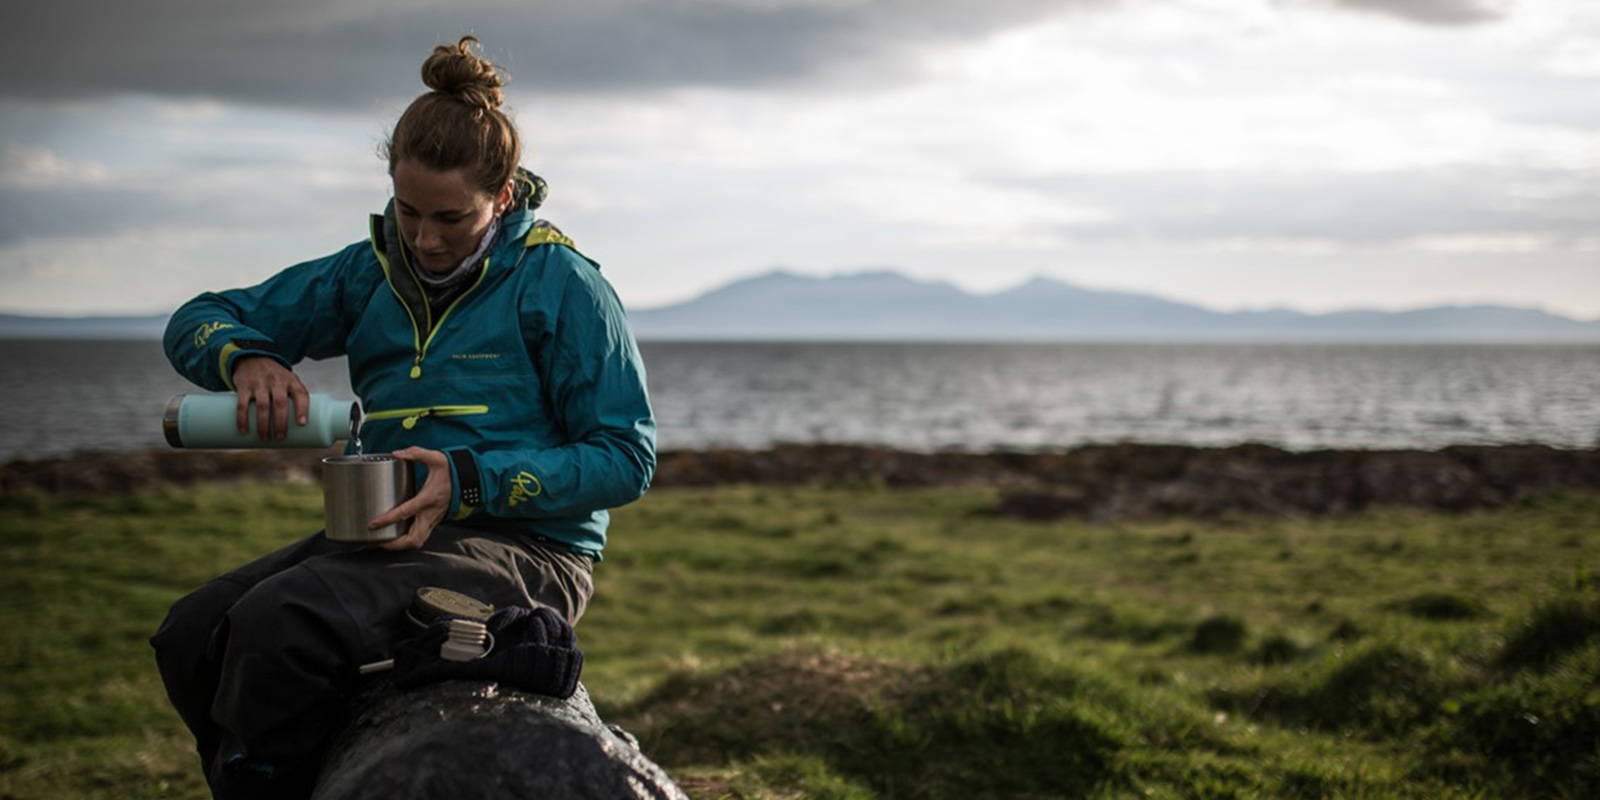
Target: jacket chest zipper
point(422, 352)
point(418, 343)
point(427, 318)
point(410, 416)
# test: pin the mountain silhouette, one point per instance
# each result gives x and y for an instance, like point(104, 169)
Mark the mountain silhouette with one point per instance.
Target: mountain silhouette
point(885, 305)
point(881, 305)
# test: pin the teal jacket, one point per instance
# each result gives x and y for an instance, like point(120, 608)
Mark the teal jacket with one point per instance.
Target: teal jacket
point(530, 381)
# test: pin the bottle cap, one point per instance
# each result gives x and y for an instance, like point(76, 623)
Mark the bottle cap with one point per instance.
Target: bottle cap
point(465, 640)
point(433, 603)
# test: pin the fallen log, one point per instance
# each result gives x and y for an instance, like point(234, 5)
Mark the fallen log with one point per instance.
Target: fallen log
point(474, 739)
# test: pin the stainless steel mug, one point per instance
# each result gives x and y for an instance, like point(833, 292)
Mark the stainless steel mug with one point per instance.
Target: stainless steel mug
point(357, 488)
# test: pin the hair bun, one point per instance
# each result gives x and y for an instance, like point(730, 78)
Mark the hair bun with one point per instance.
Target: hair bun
point(458, 71)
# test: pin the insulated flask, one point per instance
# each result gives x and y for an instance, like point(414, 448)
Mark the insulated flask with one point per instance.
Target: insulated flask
point(210, 421)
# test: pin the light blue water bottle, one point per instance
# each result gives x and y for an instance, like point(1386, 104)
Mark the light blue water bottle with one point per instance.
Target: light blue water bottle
point(210, 421)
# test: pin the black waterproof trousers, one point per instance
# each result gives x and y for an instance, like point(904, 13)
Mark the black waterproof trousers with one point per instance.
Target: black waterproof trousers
point(260, 662)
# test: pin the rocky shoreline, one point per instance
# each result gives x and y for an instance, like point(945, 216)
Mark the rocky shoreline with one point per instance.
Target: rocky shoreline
point(1121, 481)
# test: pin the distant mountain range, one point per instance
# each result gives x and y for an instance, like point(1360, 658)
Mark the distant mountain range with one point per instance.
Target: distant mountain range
point(886, 305)
point(891, 306)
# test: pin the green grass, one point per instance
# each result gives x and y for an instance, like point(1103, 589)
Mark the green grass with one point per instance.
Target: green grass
point(860, 642)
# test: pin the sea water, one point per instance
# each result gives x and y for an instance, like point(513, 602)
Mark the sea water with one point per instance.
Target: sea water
point(99, 395)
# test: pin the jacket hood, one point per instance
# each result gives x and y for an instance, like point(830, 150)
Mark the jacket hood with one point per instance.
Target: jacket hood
point(528, 192)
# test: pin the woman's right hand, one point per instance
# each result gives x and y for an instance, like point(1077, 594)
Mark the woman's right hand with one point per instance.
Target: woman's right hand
point(271, 386)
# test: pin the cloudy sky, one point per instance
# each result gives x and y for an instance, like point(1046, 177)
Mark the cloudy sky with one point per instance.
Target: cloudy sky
point(1313, 154)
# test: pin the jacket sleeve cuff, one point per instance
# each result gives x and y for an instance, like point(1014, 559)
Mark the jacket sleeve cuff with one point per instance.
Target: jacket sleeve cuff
point(234, 349)
point(466, 484)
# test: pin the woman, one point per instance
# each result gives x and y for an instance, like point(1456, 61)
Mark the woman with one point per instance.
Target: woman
point(487, 351)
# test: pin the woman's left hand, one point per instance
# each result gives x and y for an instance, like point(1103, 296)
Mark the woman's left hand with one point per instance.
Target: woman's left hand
point(426, 508)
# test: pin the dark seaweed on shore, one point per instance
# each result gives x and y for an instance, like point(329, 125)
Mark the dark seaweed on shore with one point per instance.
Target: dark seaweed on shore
point(1121, 481)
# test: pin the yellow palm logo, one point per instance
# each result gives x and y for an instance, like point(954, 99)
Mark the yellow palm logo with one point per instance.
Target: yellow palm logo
point(523, 487)
point(204, 334)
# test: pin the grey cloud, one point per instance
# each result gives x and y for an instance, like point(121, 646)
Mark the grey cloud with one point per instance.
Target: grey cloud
point(42, 213)
point(78, 211)
point(1432, 12)
point(355, 52)
point(1357, 209)
point(1353, 208)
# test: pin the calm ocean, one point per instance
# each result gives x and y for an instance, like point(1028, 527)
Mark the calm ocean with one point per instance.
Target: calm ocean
point(62, 396)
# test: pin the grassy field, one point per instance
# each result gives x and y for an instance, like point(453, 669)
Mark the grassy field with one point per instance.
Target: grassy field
point(859, 642)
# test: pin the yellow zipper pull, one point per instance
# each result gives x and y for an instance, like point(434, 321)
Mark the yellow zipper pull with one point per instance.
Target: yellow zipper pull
point(411, 422)
point(416, 368)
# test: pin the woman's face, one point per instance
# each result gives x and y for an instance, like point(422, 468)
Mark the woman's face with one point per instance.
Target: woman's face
point(442, 215)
